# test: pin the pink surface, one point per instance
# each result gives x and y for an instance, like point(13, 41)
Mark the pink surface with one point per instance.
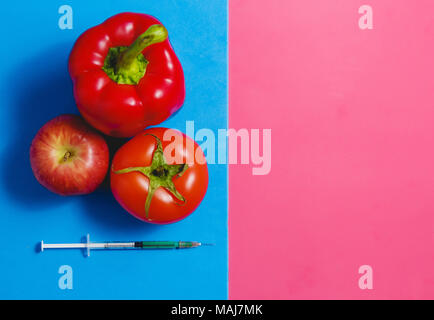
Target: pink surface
point(352, 175)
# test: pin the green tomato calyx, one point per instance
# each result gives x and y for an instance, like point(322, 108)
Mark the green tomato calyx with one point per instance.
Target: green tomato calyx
point(159, 174)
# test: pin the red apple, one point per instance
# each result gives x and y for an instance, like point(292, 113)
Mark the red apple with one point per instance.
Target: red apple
point(68, 157)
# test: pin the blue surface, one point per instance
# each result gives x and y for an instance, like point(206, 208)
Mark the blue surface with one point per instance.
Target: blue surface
point(35, 87)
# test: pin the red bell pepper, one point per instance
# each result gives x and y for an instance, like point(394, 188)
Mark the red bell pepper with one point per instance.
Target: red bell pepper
point(126, 75)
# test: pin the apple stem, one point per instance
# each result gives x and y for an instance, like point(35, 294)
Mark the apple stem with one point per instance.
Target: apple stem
point(67, 156)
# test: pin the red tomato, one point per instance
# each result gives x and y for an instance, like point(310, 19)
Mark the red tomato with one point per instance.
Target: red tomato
point(159, 176)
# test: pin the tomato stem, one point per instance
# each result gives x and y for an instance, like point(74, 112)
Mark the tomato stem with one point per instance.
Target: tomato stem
point(160, 174)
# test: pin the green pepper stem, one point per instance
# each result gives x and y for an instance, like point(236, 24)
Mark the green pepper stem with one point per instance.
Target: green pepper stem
point(155, 34)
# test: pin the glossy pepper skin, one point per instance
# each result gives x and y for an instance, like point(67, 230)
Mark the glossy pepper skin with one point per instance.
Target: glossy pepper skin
point(126, 75)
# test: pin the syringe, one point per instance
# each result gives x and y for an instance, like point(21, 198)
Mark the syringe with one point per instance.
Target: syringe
point(87, 246)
